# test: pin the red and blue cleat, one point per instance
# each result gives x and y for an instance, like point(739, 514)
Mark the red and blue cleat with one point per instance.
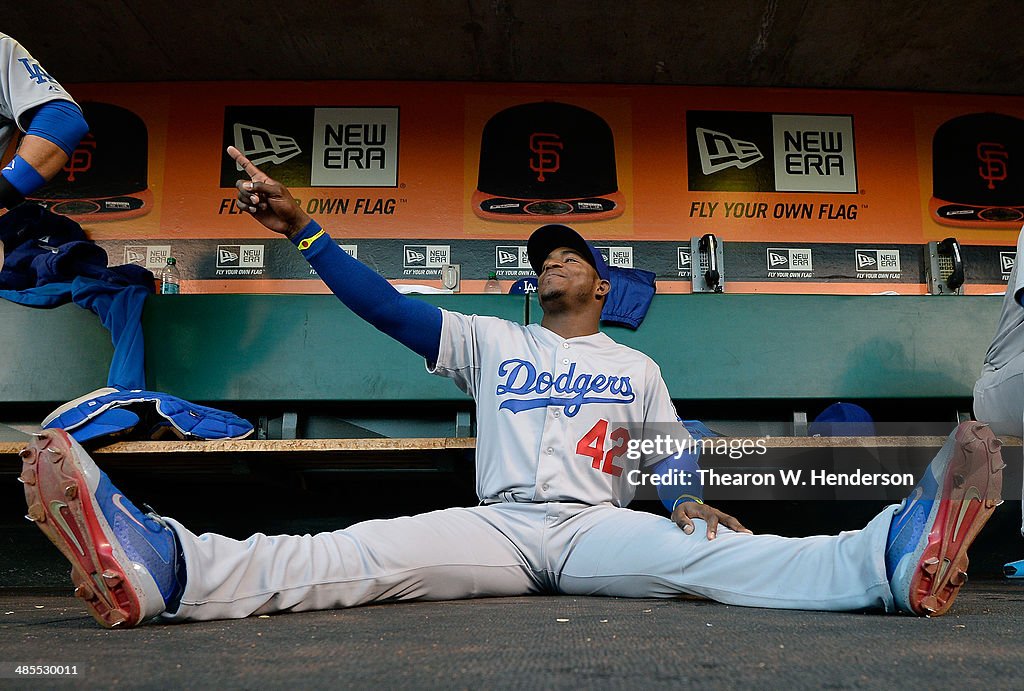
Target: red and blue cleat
point(926, 552)
point(125, 564)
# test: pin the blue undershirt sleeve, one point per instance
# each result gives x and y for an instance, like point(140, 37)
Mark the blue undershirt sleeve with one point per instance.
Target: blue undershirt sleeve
point(685, 485)
point(413, 323)
point(60, 122)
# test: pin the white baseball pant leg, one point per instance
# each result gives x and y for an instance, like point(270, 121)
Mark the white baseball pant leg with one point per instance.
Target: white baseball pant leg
point(442, 555)
point(619, 552)
point(518, 549)
point(999, 401)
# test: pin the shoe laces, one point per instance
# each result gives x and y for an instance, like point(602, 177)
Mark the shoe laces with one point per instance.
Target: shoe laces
point(155, 517)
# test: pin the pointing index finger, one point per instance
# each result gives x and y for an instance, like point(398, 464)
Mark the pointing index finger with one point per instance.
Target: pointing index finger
point(247, 166)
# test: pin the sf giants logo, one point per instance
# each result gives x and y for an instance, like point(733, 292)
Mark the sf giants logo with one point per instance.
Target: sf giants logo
point(993, 158)
point(81, 158)
point(545, 159)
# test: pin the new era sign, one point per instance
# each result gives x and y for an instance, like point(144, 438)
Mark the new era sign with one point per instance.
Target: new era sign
point(149, 256)
point(426, 256)
point(239, 256)
point(877, 260)
point(621, 257)
point(511, 257)
point(741, 151)
point(789, 259)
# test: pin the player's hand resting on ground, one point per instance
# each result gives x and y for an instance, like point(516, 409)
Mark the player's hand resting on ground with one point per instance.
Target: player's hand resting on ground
point(267, 200)
point(713, 517)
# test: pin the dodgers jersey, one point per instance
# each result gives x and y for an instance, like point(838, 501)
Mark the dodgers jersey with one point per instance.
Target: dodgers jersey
point(554, 415)
point(24, 85)
point(1009, 338)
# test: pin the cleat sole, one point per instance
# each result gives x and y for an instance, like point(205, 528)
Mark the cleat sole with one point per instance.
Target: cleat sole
point(69, 520)
point(971, 491)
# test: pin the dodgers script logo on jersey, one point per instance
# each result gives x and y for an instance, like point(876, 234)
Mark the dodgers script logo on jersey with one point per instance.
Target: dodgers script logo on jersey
point(534, 389)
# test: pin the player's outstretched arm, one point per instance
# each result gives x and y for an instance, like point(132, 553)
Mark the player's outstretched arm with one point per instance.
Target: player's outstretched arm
point(413, 323)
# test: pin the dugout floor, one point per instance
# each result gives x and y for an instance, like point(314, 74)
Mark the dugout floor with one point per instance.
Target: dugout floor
point(498, 643)
point(530, 642)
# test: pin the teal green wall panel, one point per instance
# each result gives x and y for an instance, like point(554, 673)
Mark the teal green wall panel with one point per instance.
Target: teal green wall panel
point(311, 348)
point(291, 348)
point(51, 355)
point(814, 346)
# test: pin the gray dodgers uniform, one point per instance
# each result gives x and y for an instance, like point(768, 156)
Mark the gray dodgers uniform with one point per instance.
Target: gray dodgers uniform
point(24, 85)
point(999, 391)
point(551, 518)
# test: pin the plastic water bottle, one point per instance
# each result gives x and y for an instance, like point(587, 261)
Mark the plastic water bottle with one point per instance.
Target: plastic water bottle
point(170, 278)
point(492, 286)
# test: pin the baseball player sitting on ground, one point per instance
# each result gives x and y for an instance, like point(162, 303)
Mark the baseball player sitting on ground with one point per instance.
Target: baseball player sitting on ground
point(999, 392)
point(554, 403)
point(32, 101)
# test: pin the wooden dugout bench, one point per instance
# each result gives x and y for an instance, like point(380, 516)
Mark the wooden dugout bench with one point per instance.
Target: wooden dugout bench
point(325, 390)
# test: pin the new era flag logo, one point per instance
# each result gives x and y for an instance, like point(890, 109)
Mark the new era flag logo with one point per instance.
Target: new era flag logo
point(866, 260)
point(1006, 261)
point(719, 151)
point(263, 146)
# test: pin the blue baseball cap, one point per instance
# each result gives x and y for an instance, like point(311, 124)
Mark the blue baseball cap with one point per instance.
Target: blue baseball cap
point(524, 286)
point(843, 420)
point(550, 237)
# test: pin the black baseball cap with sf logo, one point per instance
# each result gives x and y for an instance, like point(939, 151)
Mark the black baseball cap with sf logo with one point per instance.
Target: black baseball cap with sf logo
point(106, 178)
point(545, 161)
point(978, 171)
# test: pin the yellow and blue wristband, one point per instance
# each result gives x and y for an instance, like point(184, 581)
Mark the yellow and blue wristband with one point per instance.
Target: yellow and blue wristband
point(684, 498)
point(305, 238)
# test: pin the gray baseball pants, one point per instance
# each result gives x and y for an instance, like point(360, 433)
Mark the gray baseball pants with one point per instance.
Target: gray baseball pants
point(999, 400)
point(510, 549)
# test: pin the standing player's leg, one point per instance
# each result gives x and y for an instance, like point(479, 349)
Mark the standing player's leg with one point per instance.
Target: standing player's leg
point(908, 558)
point(129, 566)
point(999, 401)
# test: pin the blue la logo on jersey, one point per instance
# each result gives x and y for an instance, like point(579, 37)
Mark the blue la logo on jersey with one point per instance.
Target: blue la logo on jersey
point(569, 391)
point(36, 71)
